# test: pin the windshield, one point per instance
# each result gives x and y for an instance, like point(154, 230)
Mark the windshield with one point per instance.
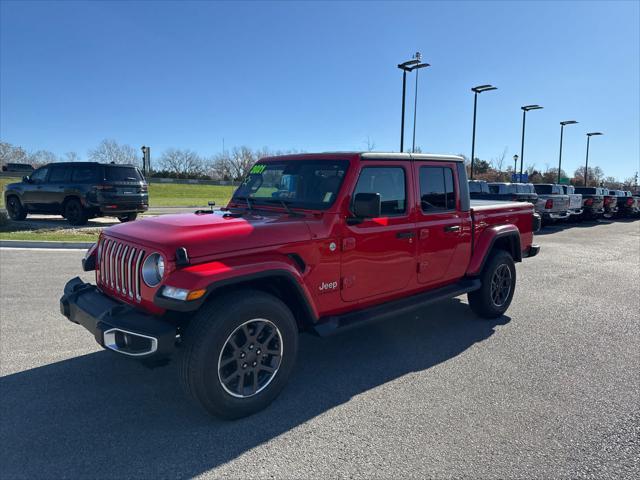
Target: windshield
point(312, 184)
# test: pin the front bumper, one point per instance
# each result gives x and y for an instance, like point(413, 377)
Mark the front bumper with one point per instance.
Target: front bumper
point(532, 251)
point(117, 326)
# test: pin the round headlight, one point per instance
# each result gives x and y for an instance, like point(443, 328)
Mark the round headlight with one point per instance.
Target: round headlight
point(153, 269)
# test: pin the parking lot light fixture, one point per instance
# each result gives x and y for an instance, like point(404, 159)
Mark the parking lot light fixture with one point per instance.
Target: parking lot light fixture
point(515, 164)
point(586, 163)
point(476, 91)
point(525, 109)
point(562, 124)
point(409, 66)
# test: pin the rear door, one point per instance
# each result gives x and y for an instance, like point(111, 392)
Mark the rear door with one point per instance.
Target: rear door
point(379, 254)
point(444, 232)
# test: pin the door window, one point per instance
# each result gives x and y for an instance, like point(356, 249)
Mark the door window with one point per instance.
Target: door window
point(389, 183)
point(58, 174)
point(85, 174)
point(39, 175)
point(437, 191)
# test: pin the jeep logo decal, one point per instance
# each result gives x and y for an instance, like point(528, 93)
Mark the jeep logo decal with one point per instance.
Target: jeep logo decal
point(324, 286)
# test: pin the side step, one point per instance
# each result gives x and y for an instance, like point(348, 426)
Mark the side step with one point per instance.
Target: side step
point(334, 324)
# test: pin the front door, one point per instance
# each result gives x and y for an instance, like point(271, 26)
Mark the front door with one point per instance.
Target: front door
point(32, 196)
point(378, 254)
point(443, 230)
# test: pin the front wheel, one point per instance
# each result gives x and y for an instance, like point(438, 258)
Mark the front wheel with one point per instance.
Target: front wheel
point(239, 353)
point(15, 209)
point(498, 280)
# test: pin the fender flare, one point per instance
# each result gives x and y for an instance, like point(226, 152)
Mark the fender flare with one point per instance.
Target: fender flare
point(486, 242)
point(291, 279)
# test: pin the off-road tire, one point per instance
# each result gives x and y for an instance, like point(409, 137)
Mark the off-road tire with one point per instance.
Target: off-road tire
point(15, 209)
point(75, 213)
point(129, 217)
point(482, 300)
point(207, 336)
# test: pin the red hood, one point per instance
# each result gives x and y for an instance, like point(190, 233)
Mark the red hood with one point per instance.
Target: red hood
point(209, 234)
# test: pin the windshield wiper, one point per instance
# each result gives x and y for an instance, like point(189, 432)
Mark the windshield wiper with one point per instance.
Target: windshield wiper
point(246, 199)
point(285, 205)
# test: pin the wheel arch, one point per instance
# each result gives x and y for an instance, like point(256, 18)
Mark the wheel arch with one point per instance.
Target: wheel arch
point(506, 238)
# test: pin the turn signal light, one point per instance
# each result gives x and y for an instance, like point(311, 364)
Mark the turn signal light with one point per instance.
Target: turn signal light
point(196, 294)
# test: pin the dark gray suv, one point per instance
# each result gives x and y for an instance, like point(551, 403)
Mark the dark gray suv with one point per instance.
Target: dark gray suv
point(79, 191)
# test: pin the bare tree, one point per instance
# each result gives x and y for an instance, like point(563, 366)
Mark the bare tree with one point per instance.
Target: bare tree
point(241, 160)
point(371, 145)
point(109, 151)
point(595, 176)
point(498, 162)
point(182, 162)
point(72, 157)
point(12, 154)
point(42, 157)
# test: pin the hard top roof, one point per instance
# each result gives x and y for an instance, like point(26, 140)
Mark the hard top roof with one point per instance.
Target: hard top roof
point(369, 156)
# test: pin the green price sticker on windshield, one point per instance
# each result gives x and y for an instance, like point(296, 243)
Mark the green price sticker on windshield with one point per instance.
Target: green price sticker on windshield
point(257, 169)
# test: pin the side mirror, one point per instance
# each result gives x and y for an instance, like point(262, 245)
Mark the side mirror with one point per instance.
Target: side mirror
point(26, 179)
point(366, 205)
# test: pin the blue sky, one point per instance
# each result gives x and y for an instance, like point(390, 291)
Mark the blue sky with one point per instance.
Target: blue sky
point(322, 76)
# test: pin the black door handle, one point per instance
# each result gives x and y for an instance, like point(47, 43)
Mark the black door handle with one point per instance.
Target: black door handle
point(452, 228)
point(405, 235)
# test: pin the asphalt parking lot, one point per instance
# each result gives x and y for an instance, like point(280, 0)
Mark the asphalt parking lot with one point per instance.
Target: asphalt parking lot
point(551, 390)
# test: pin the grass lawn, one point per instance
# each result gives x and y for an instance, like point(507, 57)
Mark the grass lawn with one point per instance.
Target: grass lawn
point(171, 194)
point(49, 235)
point(179, 195)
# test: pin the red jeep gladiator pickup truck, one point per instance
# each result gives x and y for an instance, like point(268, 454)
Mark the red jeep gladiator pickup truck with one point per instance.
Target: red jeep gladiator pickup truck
point(312, 242)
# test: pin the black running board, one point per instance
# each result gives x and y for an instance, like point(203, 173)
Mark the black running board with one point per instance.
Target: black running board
point(333, 324)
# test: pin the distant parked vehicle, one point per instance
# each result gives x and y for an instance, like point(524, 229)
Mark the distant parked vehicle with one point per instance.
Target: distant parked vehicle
point(627, 205)
point(575, 200)
point(592, 202)
point(552, 203)
point(23, 168)
point(610, 203)
point(79, 191)
point(512, 192)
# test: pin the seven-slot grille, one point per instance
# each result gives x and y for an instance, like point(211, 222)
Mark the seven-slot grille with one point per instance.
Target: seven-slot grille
point(120, 265)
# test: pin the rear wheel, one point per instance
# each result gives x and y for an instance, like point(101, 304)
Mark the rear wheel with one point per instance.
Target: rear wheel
point(75, 213)
point(129, 217)
point(239, 354)
point(15, 209)
point(498, 280)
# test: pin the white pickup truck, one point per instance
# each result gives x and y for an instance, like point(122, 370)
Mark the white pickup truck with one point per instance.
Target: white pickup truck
point(575, 199)
point(552, 203)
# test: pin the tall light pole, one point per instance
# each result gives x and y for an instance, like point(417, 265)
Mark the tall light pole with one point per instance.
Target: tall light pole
point(562, 124)
point(476, 91)
point(586, 163)
point(409, 66)
point(515, 164)
point(525, 109)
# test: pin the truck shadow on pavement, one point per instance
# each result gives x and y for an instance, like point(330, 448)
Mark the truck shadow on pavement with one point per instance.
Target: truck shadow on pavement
point(100, 415)
point(560, 226)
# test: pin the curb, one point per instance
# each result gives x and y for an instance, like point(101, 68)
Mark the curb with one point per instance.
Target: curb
point(41, 244)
